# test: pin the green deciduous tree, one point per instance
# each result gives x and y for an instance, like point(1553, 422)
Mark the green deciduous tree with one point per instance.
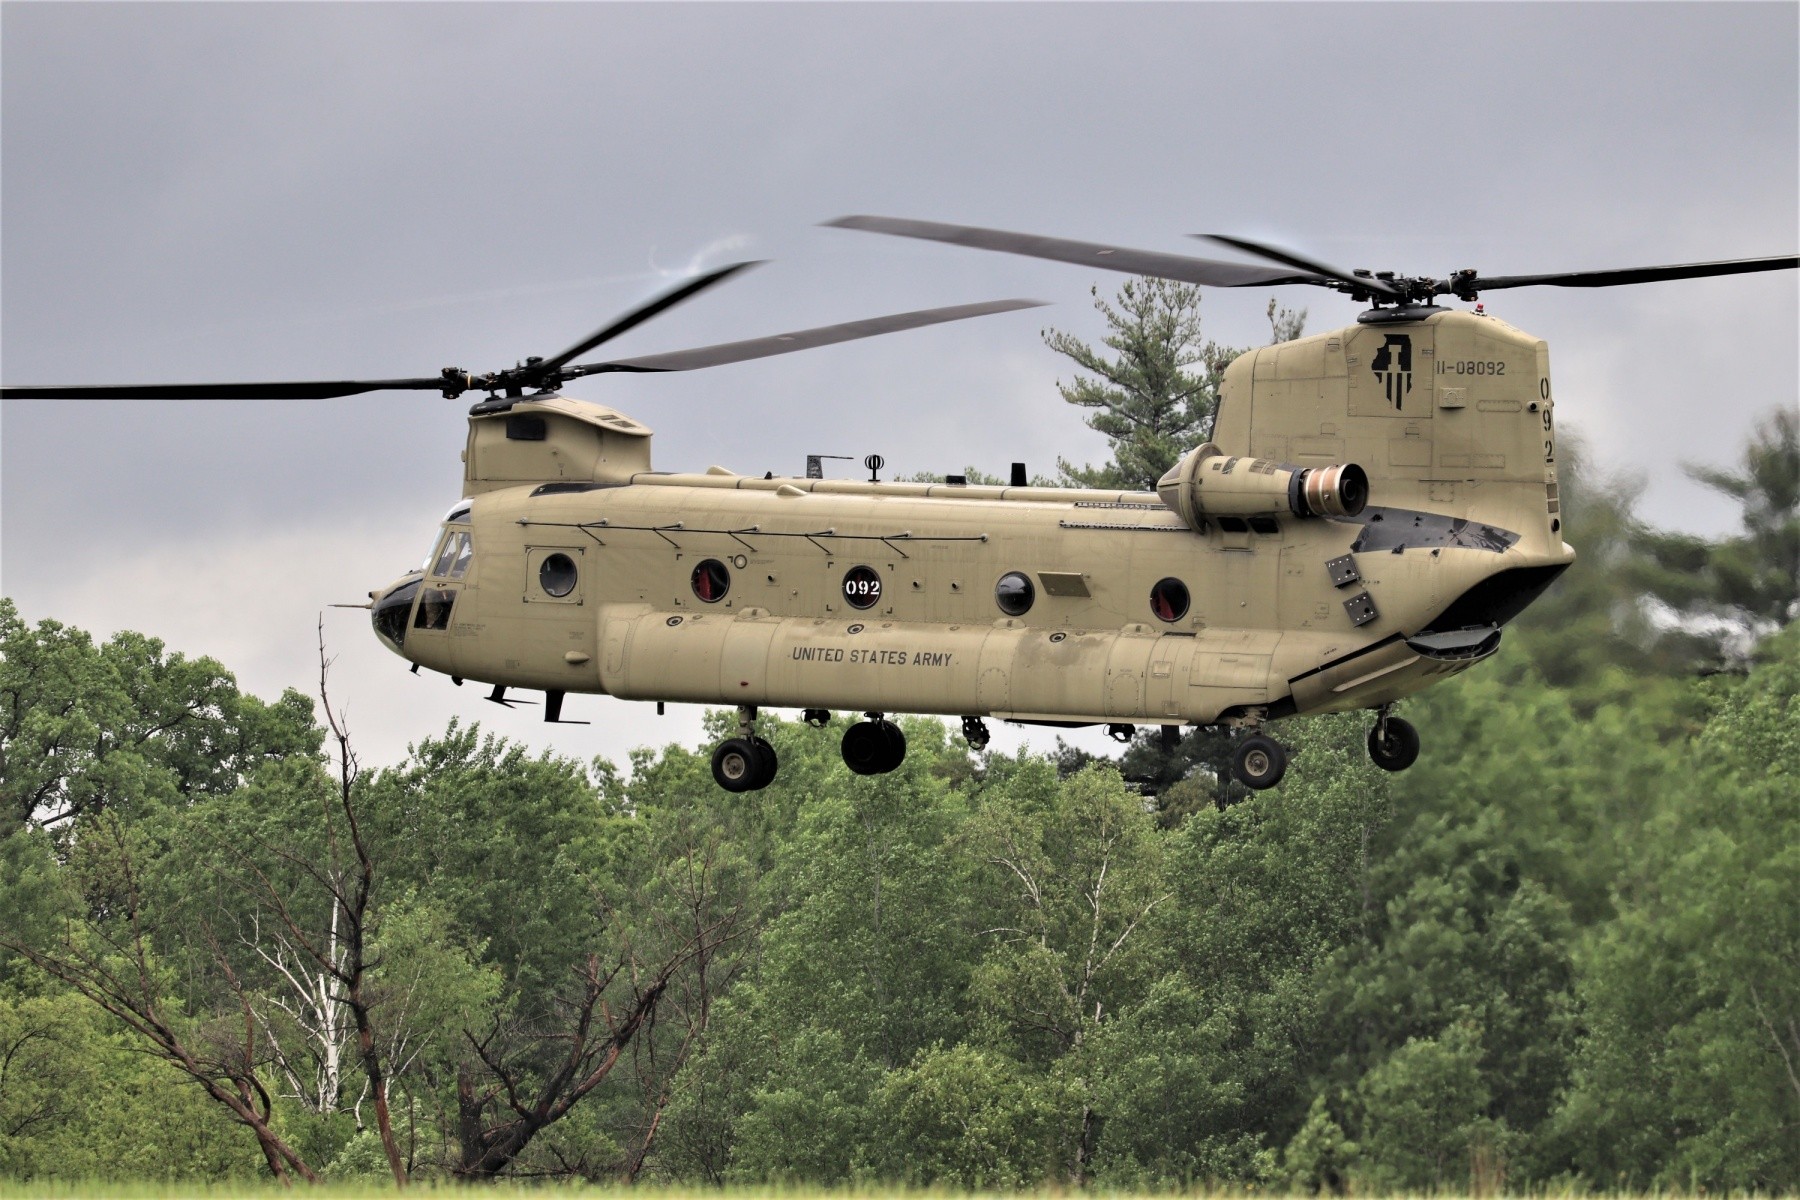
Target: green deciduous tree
point(1690, 1073)
point(1423, 1113)
point(85, 727)
point(968, 1118)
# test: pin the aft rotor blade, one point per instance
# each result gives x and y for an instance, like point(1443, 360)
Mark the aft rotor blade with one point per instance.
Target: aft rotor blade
point(805, 339)
point(1288, 258)
point(644, 312)
point(280, 390)
point(1210, 272)
point(1735, 266)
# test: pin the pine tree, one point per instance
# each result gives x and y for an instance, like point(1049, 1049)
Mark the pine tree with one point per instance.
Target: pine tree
point(1155, 397)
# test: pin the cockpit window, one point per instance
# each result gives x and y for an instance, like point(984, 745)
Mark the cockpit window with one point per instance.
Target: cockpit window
point(453, 559)
point(390, 612)
point(458, 515)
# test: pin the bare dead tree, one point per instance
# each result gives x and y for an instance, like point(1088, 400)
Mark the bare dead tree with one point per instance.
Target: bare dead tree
point(529, 1085)
point(303, 1019)
point(339, 953)
point(694, 897)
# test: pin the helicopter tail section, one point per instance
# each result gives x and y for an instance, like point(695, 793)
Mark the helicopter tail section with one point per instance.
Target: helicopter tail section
point(1449, 413)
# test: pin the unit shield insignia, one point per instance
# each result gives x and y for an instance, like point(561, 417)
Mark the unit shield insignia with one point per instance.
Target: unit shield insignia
point(1393, 366)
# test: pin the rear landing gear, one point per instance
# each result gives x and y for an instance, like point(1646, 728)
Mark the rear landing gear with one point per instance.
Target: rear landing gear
point(1393, 743)
point(874, 747)
point(745, 763)
point(975, 732)
point(1259, 762)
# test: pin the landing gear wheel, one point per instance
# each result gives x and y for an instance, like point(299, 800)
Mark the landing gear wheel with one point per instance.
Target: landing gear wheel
point(1259, 762)
point(896, 746)
point(1399, 749)
point(766, 764)
point(737, 765)
point(873, 747)
point(975, 732)
point(864, 748)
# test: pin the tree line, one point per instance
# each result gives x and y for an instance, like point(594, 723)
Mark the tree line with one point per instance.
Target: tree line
point(1562, 951)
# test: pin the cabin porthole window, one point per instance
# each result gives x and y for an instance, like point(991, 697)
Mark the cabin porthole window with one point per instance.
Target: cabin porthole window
point(1015, 593)
point(1169, 600)
point(711, 580)
point(862, 587)
point(556, 575)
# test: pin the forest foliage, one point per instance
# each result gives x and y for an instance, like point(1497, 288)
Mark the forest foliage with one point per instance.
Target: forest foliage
point(1562, 951)
point(1562, 947)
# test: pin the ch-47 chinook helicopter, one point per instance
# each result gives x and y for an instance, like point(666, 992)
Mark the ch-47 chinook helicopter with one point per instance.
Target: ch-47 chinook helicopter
point(1375, 504)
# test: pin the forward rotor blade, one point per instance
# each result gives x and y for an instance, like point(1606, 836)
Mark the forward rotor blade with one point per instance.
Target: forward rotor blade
point(805, 339)
point(644, 312)
point(281, 390)
point(1735, 266)
point(1289, 258)
point(1210, 272)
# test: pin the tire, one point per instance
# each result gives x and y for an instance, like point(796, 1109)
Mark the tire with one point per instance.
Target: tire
point(766, 763)
point(894, 744)
point(1399, 750)
point(1259, 762)
point(873, 747)
point(864, 748)
point(736, 765)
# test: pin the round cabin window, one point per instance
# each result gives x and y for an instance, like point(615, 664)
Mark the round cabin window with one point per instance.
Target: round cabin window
point(711, 580)
point(1015, 593)
point(862, 587)
point(556, 575)
point(1169, 600)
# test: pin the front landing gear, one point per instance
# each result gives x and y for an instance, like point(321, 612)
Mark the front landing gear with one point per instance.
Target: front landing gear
point(1393, 743)
point(874, 747)
point(1259, 762)
point(745, 763)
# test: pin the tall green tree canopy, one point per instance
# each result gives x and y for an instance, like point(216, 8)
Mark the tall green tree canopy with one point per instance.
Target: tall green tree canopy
point(1155, 395)
point(1747, 584)
point(85, 727)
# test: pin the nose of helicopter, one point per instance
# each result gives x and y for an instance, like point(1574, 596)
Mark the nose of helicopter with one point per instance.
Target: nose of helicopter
point(389, 609)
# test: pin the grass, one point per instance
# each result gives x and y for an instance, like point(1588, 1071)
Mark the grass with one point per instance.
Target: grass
point(361, 1190)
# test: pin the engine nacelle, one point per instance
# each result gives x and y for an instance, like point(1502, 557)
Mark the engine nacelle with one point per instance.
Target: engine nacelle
point(1209, 483)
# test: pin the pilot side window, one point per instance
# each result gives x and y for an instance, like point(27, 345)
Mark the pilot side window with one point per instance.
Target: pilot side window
point(454, 558)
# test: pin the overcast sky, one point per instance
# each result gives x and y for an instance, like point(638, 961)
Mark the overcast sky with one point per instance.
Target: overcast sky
point(235, 191)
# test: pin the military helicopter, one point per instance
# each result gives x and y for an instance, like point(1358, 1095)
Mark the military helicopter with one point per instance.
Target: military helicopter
point(1375, 504)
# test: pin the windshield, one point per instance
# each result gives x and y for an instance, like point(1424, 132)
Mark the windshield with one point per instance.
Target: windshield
point(454, 556)
point(390, 611)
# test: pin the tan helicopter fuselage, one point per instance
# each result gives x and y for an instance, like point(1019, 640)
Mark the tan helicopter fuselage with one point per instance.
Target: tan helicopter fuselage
point(575, 568)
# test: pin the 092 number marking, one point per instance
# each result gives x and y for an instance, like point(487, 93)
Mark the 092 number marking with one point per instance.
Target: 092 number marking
point(1471, 367)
